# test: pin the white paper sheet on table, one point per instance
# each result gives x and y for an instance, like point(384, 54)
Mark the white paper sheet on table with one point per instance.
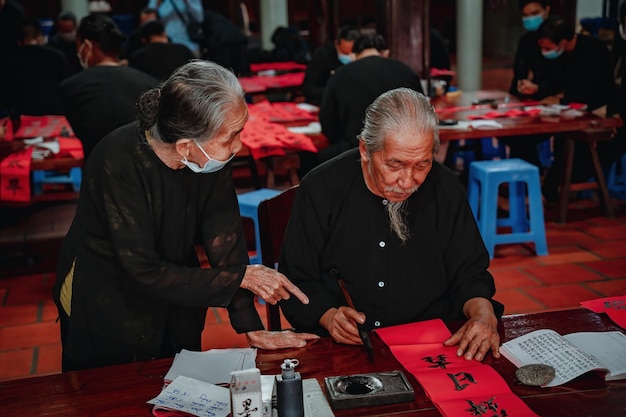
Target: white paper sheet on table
point(313, 127)
point(194, 397)
point(474, 124)
point(213, 366)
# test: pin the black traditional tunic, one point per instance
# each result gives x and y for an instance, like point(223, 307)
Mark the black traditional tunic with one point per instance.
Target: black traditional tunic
point(136, 289)
point(339, 228)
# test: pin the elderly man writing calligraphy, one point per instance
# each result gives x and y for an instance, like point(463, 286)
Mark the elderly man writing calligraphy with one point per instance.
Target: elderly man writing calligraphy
point(396, 226)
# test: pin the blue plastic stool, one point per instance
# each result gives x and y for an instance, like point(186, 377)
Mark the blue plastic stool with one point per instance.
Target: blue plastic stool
point(41, 177)
point(484, 180)
point(616, 180)
point(248, 207)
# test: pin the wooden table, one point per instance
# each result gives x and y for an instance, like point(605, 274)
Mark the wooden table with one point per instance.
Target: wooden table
point(462, 107)
point(123, 390)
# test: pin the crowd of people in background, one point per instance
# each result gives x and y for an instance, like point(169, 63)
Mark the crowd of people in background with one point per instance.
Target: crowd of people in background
point(178, 71)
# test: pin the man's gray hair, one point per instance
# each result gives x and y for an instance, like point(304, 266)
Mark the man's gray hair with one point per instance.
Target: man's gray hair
point(399, 110)
point(192, 103)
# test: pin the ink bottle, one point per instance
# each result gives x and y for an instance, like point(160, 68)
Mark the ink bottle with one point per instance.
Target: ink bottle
point(289, 396)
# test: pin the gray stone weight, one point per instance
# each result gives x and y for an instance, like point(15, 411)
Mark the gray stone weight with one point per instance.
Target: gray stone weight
point(535, 375)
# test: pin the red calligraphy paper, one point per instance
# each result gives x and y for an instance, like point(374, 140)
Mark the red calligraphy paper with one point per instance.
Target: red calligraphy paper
point(455, 385)
point(614, 307)
point(278, 66)
point(46, 126)
point(71, 147)
point(15, 177)
point(429, 331)
point(500, 405)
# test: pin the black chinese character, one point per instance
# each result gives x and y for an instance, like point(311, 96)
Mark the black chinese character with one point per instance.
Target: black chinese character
point(465, 376)
point(439, 361)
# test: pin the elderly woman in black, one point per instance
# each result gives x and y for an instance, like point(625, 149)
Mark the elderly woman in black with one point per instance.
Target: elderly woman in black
point(129, 285)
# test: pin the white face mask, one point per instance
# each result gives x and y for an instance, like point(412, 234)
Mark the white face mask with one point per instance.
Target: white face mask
point(83, 63)
point(211, 165)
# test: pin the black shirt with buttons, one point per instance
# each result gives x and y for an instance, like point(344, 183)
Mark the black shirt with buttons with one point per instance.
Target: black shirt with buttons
point(340, 228)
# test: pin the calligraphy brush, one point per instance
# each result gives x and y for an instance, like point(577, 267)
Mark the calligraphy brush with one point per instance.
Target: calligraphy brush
point(365, 337)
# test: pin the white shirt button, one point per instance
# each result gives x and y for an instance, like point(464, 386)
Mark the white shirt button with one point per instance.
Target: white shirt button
point(381, 284)
point(381, 244)
point(377, 323)
point(385, 202)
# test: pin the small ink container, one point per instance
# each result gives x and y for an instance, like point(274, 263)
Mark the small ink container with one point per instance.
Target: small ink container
point(289, 396)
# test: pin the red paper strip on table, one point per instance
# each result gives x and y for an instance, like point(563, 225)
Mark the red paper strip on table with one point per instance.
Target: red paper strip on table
point(278, 66)
point(46, 126)
point(15, 177)
point(278, 112)
point(456, 386)
point(614, 307)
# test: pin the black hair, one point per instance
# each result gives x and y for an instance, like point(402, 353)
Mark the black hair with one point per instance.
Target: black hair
point(101, 30)
point(28, 28)
point(151, 28)
point(523, 3)
point(192, 103)
point(67, 15)
point(348, 33)
point(368, 41)
point(555, 28)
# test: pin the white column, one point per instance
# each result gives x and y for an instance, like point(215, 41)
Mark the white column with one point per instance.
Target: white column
point(273, 15)
point(469, 44)
point(79, 7)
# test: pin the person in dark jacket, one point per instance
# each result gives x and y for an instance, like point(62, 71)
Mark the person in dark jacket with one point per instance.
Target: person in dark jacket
point(158, 58)
point(325, 61)
point(129, 282)
point(396, 227)
point(586, 77)
point(104, 95)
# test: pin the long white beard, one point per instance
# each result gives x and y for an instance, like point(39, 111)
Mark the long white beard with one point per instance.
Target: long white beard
point(397, 219)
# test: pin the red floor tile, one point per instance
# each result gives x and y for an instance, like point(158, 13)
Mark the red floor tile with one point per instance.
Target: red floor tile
point(561, 296)
point(606, 249)
point(15, 363)
point(613, 268)
point(516, 301)
point(49, 311)
point(222, 337)
point(18, 314)
point(562, 274)
point(610, 232)
point(567, 254)
point(49, 359)
point(30, 335)
point(610, 288)
point(513, 278)
point(34, 289)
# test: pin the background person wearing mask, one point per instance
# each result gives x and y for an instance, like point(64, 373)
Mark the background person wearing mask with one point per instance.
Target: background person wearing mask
point(354, 87)
point(104, 95)
point(36, 72)
point(325, 60)
point(65, 39)
point(586, 77)
point(534, 77)
point(129, 283)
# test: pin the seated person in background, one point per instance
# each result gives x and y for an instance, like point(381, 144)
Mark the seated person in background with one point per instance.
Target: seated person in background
point(325, 60)
point(439, 53)
point(172, 13)
point(65, 39)
point(36, 72)
point(354, 87)
point(11, 14)
point(158, 57)
point(534, 77)
point(129, 284)
point(586, 77)
point(397, 227)
point(610, 151)
point(135, 42)
point(227, 45)
point(104, 95)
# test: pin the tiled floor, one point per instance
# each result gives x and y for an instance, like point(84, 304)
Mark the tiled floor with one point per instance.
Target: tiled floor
point(587, 260)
